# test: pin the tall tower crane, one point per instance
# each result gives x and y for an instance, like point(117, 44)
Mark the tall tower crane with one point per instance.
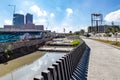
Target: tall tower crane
point(14, 6)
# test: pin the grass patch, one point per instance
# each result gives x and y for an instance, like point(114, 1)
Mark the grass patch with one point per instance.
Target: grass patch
point(75, 42)
point(109, 42)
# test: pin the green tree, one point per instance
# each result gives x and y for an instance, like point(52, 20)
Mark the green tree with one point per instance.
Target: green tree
point(115, 30)
point(70, 32)
point(107, 31)
point(82, 31)
point(77, 32)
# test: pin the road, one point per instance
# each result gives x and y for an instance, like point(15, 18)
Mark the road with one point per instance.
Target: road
point(104, 63)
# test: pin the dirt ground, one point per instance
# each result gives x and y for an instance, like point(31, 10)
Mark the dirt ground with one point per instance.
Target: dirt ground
point(19, 62)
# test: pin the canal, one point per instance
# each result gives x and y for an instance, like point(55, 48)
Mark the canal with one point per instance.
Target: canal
point(58, 48)
point(28, 72)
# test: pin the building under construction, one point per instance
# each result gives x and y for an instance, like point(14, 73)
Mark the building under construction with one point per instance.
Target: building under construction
point(96, 23)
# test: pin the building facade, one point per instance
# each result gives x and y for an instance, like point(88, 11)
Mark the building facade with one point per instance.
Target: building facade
point(28, 27)
point(18, 19)
point(29, 18)
point(100, 28)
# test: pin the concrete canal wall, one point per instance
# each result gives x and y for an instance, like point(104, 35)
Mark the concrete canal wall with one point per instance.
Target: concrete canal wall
point(12, 50)
point(64, 68)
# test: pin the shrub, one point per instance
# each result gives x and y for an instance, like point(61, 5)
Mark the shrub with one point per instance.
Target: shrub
point(75, 42)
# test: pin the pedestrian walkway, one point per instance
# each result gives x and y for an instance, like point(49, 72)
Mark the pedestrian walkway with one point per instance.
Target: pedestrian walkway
point(104, 63)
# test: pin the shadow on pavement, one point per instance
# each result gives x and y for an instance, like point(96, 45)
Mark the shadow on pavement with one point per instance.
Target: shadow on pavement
point(81, 70)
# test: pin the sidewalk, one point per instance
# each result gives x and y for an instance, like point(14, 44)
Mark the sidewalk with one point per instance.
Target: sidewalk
point(104, 63)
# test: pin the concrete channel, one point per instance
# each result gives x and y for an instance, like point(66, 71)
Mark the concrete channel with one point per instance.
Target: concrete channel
point(29, 71)
point(52, 54)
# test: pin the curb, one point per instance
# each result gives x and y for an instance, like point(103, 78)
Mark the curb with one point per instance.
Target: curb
point(109, 45)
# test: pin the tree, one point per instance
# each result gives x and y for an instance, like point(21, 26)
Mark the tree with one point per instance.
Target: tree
point(115, 30)
point(70, 32)
point(107, 31)
point(82, 31)
point(77, 32)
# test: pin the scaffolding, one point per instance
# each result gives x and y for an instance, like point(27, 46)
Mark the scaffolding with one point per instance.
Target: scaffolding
point(96, 21)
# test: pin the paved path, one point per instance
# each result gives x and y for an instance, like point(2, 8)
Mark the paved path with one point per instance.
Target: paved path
point(104, 61)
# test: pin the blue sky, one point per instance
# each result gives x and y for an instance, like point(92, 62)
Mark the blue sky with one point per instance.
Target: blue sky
point(59, 14)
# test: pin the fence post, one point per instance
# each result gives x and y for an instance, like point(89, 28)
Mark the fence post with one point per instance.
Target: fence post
point(67, 66)
point(61, 69)
point(64, 68)
point(53, 72)
point(57, 67)
point(46, 75)
point(38, 77)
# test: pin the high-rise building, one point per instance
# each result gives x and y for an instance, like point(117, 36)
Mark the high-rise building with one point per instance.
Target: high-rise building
point(29, 18)
point(18, 19)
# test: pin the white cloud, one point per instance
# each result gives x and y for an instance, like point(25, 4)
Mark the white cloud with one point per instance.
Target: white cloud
point(113, 16)
point(83, 27)
point(60, 28)
point(42, 21)
point(41, 16)
point(69, 11)
point(8, 22)
point(52, 15)
point(38, 11)
point(27, 2)
point(21, 12)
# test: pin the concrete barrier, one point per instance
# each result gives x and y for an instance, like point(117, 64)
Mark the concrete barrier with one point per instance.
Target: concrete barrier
point(53, 72)
point(61, 69)
point(38, 77)
point(64, 68)
point(57, 67)
point(68, 67)
point(47, 75)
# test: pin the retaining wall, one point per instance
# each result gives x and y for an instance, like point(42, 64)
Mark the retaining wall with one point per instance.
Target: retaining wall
point(64, 68)
point(12, 50)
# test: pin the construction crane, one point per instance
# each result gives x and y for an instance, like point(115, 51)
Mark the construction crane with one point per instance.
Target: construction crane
point(14, 6)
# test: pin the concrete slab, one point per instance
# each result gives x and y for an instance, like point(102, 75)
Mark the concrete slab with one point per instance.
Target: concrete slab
point(104, 61)
point(56, 49)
